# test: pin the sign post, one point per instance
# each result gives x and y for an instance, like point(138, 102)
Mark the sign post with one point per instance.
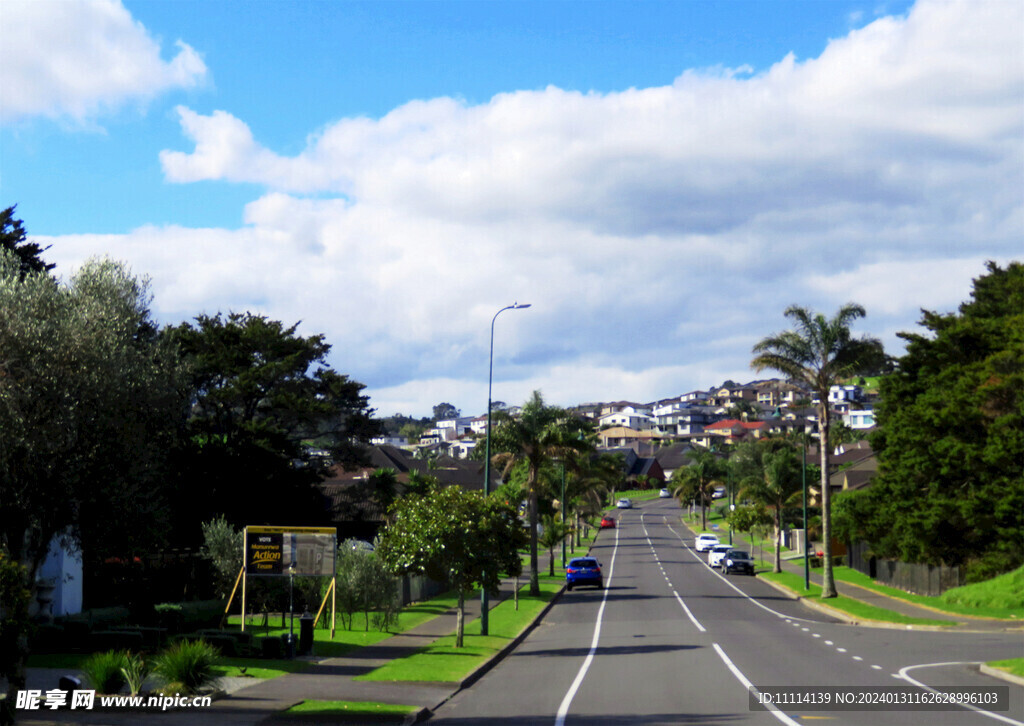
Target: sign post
point(289, 551)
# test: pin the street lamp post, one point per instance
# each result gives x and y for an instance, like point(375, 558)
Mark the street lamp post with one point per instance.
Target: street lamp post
point(807, 543)
point(484, 599)
point(563, 513)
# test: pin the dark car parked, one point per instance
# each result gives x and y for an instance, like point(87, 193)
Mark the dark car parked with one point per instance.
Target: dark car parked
point(737, 561)
point(583, 571)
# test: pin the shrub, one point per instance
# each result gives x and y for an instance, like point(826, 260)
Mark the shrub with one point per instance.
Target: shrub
point(103, 671)
point(135, 671)
point(186, 667)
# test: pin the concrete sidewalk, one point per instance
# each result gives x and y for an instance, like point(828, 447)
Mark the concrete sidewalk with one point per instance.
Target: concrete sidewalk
point(258, 701)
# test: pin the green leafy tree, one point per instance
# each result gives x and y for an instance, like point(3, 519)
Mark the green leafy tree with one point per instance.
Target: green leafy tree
point(819, 353)
point(539, 434)
point(950, 437)
point(769, 472)
point(260, 392)
point(222, 546)
point(454, 536)
point(14, 239)
point(384, 485)
point(89, 403)
point(697, 480)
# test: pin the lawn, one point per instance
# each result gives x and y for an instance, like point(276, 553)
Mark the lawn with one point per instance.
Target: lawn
point(347, 640)
point(848, 605)
point(1014, 666)
point(443, 662)
point(344, 641)
point(351, 709)
point(978, 601)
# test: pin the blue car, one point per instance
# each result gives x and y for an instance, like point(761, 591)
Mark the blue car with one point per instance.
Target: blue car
point(583, 571)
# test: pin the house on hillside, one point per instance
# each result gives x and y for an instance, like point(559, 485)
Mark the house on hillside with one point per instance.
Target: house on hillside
point(730, 431)
point(628, 418)
point(637, 468)
point(621, 437)
point(673, 457)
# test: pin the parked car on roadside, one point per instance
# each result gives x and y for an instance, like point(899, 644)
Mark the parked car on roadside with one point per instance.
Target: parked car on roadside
point(583, 571)
point(737, 561)
point(705, 542)
point(624, 503)
point(716, 553)
point(665, 494)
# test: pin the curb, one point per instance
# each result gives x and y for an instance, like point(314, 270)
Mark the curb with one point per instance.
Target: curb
point(850, 620)
point(1001, 674)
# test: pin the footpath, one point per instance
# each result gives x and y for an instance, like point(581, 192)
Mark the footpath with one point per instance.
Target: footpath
point(251, 701)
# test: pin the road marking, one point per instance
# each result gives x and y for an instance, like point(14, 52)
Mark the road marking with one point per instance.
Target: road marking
point(772, 708)
point(829, 642)
point(877, 667)
point(841, 650)
point(563, 709)
point(857, 657)
point(903, 674)
point(726, 581)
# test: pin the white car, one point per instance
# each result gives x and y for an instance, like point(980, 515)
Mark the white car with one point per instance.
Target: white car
point(705, 542)
point(716, 553)
point(624, 503)
point(665, 494)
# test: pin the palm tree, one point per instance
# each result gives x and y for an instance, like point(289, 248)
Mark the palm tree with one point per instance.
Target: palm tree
point(819, 353)
point(698, 479)
point(770, 475)
point(555, 530)
point(540, 433)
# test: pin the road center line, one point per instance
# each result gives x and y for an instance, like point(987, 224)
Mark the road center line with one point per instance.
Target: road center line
point(563, 709)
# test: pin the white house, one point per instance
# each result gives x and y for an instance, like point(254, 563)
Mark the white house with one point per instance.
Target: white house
point(863, 419)
point(629, 419)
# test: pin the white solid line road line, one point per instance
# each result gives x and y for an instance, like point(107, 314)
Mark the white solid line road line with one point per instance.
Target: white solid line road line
point(903, 674)
point(563, 709)
point(772, 708)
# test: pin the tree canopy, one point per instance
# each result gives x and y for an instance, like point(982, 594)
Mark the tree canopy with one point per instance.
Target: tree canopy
point(537, 435)
point(820, 352)
point(454, 536)
point(14, 239)
point(950, 437)
point(89, 404)
point(263, 404)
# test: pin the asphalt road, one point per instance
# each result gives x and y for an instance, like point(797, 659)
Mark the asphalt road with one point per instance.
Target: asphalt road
point(670, 641)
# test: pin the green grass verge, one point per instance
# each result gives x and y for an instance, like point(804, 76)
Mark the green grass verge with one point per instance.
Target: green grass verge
point(443, 662)
point(347, 640)
point(1005, 592)
point(351, 709)
point(848, 605)
point(254, 667)
point(258, 668)
point(1014, 666)
point(985, 592)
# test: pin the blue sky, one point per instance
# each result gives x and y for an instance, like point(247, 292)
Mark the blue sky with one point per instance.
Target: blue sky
point(659, 179)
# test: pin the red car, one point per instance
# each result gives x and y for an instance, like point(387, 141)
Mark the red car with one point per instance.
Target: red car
point(607, 523)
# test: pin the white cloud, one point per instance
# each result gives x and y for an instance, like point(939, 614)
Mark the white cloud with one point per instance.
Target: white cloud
point(78, 58)
point(658, 232)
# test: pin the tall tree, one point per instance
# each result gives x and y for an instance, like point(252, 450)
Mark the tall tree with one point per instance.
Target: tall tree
point(697, 480)
point(769, 475)
point(950, 437)
point(14, 239)
point(537, 435)
point(89, 404)
point(263, 400)
point(819, 352)
point(454, 536)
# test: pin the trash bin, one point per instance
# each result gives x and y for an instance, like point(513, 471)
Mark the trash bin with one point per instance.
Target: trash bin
point(306, 634)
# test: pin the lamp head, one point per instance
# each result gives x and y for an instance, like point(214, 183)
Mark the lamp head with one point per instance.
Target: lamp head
point(517, 306)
